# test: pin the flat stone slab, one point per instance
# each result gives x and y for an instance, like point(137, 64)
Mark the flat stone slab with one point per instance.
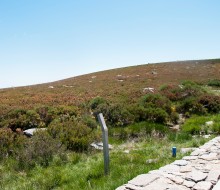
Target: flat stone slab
point(213, 176)
point(196, 176)
point(170, 168)
point(189, 184)
point(203, 185)
point(209, 157)
point(144, 179)
point(217, 186)
point(180, 162)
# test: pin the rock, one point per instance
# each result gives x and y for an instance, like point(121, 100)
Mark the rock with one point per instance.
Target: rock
point(186, 150)
point(217, 186)
point(152, 161)
point(198, 152)
point(196, 176)
point(189, 184)
point(177, 187)
point(143, 179)
point(99, 146)
point(160, 184)
point(185, 169)
point(170, 168)
point(50, 87)
point(30, 132)
point(209, 123)
point(206, 136)
point(121, 188)
point(176, 179)
point(180, 162)
point(209, 157)
point(132, 187)
point(148, 90)
point(213, 176)
point(175, 128)
point(190, 157)
point(203, 185)
point(127, 151)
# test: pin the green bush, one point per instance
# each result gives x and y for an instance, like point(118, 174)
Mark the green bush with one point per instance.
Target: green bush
point(214, 82)
point(39, 150)
point(6, 142)
point(195, 124)
point(115, 115)
point(94, 103)
point(156, 101)
point(73, 134)
point(10, 142)
point(89, 121)
point(23, 119)
point(192, 106)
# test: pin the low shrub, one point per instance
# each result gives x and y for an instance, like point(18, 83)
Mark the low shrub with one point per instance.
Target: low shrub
point(39, 150)
point(191, 106)
point(195, 124)
point(214, 82)
point(115, 114)
point(73, 134)
point(210, 102)
point(10, 142)
point(94, 103)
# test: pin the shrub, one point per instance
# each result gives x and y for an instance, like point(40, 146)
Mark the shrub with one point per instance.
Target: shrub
point(156, 101)
point(94, 103)
point(115, 115)
point(210, 102)
point(195, 125)
point(191, 106)
point(89, 121)
point(10, 142)
point(185, 90)
point(214, 82)
point(73, 134)
point(39, 150)
point(6, 142)
point(23, 119)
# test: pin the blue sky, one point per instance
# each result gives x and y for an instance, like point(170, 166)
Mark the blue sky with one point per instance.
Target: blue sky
point(48, 40)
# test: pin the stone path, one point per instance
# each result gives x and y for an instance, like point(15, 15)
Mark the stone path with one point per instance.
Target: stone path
point(199, 171)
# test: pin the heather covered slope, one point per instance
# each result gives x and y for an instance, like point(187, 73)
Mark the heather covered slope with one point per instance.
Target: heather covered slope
point(124, 84)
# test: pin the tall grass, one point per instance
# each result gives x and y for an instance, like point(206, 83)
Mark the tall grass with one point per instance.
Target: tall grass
point(85, 171)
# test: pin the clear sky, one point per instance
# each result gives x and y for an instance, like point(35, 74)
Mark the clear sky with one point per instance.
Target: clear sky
point(48, 40)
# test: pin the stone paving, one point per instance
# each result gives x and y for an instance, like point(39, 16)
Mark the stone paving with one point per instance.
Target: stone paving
point(199, 171)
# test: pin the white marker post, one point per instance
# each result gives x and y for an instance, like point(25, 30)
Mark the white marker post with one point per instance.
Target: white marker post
point(105, 143)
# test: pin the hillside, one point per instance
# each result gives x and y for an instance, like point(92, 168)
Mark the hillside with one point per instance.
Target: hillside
point(144, 116)
point(124, 84)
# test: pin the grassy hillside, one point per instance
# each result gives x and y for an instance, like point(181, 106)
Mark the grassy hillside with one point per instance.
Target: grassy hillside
point(117, 85)
point(148, 109)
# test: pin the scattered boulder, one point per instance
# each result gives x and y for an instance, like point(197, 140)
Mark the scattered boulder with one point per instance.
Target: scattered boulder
point(51, 87)
point(209, 123)
point(30, 132)
point(148, 89)
point(150, 161)
point(99, 146)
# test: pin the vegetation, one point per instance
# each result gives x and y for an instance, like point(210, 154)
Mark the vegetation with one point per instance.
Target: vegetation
point(60, 157)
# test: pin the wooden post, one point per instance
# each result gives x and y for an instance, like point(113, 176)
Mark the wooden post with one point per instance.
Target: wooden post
point(105, 143)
